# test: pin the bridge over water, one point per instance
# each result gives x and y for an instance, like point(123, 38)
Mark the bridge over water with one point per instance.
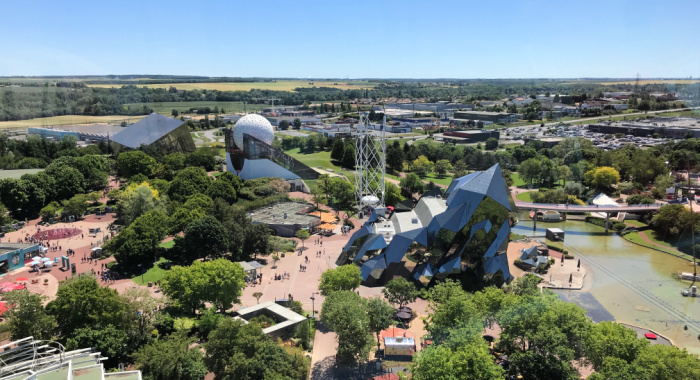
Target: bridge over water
point(607, 209)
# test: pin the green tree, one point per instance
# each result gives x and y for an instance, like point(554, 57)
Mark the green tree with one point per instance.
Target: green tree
point(442, 167)
point(137, 243)
point(610, 339)
point(602, 177)
point(204, 157)
point(141, 315)
point(171, 359)
point(297, 123)
point(400, 291)
point(530, 170)
point(302, 235)
point(136, 200)
point(345, 313)
point(81, 302)
point(549, 172)
point(238, 351)
point(526, 285)
point(187, 182)
point(222, 189)
point(69, 181)
point(618, 369)
point(76, 206)
point(380, 315)
point(47, 213)
point(667, 362)
point(27, 317)
point(411, 184)
point(640, 199)
point(338, 150)
point(217, 281)
point(134, 162)
point(283, 125)
point(674, 220)
point(422, 166)
point(345, 277)
point(392, 194)
point(108, 340)
point(395, 157)
point(491, 143)
point(349, 157)
point(204, 237)
point(469, 361)
point(174, 113)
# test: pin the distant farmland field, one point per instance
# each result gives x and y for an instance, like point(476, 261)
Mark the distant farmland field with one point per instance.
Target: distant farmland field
point(68, 120)
point(280, 85)
point(654, 81)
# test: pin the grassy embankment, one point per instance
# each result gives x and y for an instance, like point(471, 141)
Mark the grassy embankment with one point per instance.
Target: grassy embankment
point(658, 244)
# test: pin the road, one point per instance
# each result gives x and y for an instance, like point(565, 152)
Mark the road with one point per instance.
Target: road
point(587, 208)
point(579, 121)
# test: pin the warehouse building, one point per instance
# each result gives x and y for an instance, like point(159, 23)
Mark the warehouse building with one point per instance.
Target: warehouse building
point(493, 117)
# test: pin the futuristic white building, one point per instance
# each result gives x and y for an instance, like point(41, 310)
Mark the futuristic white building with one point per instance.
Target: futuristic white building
point(250, 155)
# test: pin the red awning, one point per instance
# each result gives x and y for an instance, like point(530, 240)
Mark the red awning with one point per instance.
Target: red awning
point(650, 335)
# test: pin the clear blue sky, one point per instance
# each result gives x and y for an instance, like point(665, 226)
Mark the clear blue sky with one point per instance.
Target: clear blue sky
point(355, 39)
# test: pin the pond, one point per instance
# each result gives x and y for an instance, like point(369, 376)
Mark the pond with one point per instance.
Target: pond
point(637, 285)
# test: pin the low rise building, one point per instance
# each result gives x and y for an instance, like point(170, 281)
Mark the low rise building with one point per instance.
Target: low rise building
point(286, 218)
point(494, 117)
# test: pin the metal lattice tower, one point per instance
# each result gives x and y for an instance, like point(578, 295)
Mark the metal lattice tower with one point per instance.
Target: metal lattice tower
point(370, 160)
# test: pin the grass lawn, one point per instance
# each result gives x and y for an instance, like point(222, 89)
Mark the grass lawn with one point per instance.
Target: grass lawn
point(16, 173)
point(525, 197)
point(167, 244)
point(322, 159)
point(447, 180)
point(154, 274)
point(517, 181)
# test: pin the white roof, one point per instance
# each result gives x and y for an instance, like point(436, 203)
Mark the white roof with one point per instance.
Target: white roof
point(604, 200)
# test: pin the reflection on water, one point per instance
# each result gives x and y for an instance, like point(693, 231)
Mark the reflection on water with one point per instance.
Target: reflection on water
point(636, 285)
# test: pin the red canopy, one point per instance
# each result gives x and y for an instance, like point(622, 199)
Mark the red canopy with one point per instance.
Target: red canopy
point(21, 279)
point(650, 335)
point(3, 308)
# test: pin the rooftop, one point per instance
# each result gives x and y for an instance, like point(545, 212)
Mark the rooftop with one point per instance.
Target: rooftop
point(42, 360)
point(147, 131)
point(285, 316)
point(11, 247)
point(284, 213)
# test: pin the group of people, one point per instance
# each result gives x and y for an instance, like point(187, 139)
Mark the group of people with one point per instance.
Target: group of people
point(255, 280)
point(280, 277)
point(319, 253)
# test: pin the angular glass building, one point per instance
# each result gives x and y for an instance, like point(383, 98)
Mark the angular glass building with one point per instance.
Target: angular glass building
point(464, 229)
point(167, 134)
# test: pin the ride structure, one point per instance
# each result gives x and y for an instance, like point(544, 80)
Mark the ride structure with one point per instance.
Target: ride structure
point(370, 161)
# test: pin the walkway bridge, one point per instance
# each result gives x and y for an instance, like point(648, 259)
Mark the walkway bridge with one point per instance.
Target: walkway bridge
point(587, 208)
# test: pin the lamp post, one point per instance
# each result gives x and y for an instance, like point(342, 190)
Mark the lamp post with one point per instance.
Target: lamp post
point(313, 309)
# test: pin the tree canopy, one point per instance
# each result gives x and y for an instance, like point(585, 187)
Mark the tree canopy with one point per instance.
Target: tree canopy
point(345, 277)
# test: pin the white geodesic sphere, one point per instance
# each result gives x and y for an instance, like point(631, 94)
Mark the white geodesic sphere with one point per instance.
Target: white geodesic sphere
point(254, 125)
